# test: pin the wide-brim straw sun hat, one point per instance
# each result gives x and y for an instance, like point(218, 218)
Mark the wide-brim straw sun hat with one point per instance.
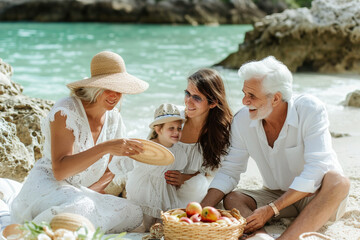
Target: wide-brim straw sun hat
point(108, 71)
point(166, 113)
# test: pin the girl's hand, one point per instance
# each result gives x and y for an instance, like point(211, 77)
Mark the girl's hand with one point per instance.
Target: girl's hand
point(124, 147)
point(100, 185)
point(174, 178)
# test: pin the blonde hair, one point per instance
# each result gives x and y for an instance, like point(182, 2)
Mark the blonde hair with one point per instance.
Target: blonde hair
point(88, 94)
point(153, 134)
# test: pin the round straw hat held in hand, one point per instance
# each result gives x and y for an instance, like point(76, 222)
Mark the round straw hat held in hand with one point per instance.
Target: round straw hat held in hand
point(154, 153)
point(108, 71)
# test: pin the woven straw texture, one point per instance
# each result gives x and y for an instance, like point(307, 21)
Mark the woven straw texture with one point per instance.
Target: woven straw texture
point(174, 230)
point(313, 236)
point(108, 72)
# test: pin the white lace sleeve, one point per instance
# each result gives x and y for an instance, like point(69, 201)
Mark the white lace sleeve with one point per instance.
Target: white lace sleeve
point(120, 165)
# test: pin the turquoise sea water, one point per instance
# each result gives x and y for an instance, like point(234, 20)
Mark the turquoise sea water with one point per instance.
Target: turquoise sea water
point(46, 56)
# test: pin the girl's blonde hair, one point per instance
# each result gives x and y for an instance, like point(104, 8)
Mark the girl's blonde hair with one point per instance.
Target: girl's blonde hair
point(153, 134)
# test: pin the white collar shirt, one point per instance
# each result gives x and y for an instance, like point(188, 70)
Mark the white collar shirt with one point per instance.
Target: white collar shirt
point(301, 154)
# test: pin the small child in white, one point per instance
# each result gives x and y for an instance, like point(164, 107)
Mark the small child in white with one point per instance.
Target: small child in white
point(146, 184)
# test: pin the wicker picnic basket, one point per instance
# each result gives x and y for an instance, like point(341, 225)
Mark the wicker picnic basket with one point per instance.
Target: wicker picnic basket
point(174, 230)
point(313, 236)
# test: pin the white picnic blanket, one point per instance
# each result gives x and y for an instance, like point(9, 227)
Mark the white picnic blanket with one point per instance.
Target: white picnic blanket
point(8, 191)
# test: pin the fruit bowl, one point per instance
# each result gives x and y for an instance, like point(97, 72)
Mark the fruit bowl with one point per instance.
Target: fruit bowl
point(219, 230)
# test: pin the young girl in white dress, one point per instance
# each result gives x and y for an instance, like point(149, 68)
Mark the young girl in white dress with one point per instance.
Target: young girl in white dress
point(146, 184)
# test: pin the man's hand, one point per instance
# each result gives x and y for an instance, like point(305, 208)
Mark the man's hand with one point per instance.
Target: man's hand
point(258, 219)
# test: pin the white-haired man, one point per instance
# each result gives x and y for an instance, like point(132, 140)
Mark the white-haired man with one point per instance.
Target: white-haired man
point(289, 139)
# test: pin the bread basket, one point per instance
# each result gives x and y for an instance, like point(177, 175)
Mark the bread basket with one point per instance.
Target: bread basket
point(174, 230)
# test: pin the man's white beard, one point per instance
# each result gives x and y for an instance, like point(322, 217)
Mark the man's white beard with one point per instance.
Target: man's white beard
point(262, 112)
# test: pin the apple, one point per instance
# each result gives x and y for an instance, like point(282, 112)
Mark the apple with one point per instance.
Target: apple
point(179, 213)
point(221, 221)
point(196, 217)
point(172, 218)
point(224, 220)
point(210, 214)
point(186, 219)
point(193, 208)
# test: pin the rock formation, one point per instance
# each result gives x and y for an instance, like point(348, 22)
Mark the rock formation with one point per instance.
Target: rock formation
point(353, 99)
point(15, 159)
point(20, 134)
point(147, 11)
point(325, 38)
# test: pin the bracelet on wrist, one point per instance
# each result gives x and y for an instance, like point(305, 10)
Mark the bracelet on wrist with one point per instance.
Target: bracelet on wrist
point(275, 209)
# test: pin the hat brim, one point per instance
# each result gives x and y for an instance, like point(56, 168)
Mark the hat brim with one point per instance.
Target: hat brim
point(154, 154)
point(118, 82)
point(165, 120)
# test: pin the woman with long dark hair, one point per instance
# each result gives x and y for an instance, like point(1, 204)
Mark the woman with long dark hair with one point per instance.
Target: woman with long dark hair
point(205, 136)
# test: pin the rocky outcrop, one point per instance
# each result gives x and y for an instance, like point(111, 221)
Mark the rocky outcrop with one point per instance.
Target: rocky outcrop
point(200, 12)
point(15, 159)
point(353, 99)
point(148, 11)
point(325, 38)
point(21, 138)
point(272, 6)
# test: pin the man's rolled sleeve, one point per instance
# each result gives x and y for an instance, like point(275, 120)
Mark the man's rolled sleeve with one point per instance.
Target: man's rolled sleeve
point(303, 185)
point(223, 183)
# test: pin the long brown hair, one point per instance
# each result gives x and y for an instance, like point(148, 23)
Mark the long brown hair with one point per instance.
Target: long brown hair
point(214, 138)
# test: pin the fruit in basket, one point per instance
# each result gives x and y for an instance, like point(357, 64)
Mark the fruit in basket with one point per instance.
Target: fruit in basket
point(172, 218)
point(186, 219)
point(224, 220)
point(210, 214)
point(193, 208)
point(196, 217)
point(225, 229)
point(179, 213)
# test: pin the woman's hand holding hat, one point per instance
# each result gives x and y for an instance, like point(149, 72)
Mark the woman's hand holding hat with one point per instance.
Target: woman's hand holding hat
point(124, 147)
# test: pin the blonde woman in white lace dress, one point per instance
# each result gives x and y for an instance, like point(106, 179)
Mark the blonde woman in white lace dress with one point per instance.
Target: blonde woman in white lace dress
point(146, 184)
point(83, 134)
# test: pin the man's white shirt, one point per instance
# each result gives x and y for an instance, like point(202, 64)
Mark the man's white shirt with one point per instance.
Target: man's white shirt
point(300, 157)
